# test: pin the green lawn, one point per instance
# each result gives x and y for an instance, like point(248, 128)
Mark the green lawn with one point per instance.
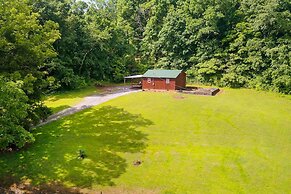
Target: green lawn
point(63, 100)
point(236, 142)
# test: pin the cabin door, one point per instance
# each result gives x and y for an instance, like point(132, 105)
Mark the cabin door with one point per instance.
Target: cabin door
point(167, 82)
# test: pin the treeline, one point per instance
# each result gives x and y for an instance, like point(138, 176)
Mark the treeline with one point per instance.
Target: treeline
point(48, 45)
point(235, 43)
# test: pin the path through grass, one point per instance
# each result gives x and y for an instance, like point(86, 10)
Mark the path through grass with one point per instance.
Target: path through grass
point(62, 100)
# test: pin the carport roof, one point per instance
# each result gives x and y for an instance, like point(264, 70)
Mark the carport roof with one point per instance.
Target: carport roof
point(133, 77)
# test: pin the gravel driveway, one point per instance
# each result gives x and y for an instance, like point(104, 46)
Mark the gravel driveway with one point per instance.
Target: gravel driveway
point(89, 101)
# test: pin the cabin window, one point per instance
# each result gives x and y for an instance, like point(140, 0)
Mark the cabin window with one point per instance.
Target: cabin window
point(167, 81)
point(149, 80)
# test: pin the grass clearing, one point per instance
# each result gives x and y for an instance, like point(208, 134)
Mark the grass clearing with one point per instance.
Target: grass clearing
point(62, 100)
point(235, 142)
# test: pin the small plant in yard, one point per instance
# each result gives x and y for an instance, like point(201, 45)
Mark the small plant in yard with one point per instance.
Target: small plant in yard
point(81, 154)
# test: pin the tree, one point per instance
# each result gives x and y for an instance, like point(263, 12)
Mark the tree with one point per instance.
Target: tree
point(24, 44)
point(13, 110)
point(25, 47)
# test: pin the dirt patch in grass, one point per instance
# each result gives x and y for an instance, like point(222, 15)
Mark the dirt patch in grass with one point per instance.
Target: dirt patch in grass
point(57, 188)
point(119, 190)
point(10, 186)
point(113, 89)
point(178, 97)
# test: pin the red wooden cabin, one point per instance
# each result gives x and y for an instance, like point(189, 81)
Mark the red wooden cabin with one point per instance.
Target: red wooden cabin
point(164, 80)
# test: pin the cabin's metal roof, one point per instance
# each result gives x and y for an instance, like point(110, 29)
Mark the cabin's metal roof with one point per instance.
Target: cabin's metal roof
point(161, 73)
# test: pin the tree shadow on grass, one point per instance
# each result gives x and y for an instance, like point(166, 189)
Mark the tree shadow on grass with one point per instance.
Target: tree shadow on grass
point(103, 133)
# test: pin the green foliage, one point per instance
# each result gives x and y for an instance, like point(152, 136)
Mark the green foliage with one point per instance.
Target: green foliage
point(13, 110)
point(93, 45)
point(34, 87)
point(67, 79)
point(238, 43)
point(24, 43)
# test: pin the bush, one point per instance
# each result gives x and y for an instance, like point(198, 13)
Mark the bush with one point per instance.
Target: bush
point(233, 80)
point(283, 84)
point(68, 80)
point(13, 110)
point(36, 113)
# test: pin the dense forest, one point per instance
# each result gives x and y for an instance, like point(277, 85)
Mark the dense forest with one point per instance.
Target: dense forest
point(49, 45)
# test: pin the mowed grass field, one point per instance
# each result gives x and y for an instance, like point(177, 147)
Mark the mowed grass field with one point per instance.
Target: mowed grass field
point(236, 142)
point(62, 100)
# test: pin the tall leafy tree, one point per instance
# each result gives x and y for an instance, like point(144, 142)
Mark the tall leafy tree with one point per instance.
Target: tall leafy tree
point(24, 44)
point(25, 48)
point(13, 110)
